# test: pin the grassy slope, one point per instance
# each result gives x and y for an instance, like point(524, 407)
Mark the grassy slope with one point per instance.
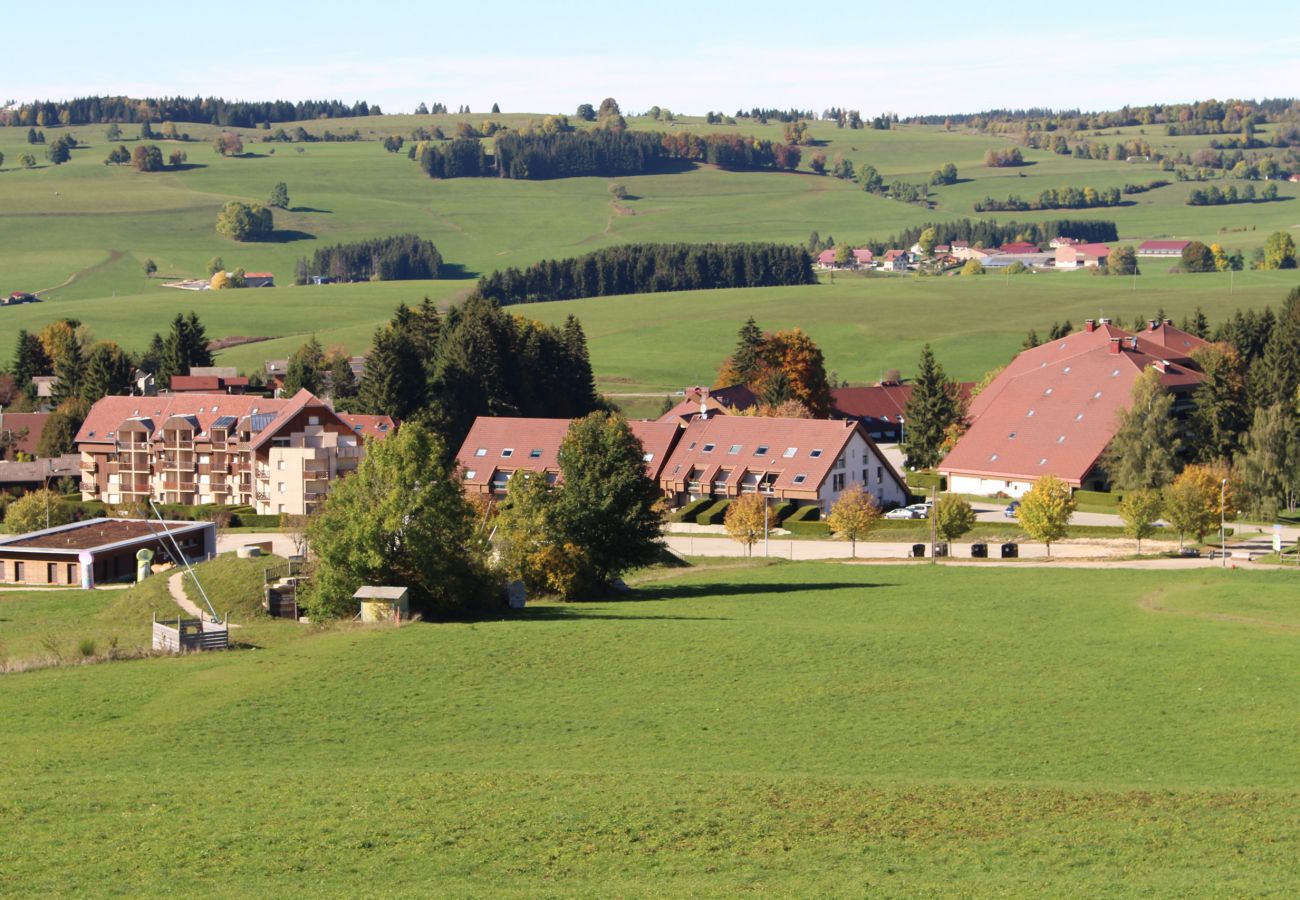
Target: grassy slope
point(106, 220)
point(804, 728)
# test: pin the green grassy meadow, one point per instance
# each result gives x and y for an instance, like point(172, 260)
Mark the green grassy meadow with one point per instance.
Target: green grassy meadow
point(80, 233)
point(788, 729)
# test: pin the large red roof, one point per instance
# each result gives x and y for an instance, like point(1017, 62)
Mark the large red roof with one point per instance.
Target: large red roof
point(880, 402)
point(515, 442)
point(1054, 409)
point(32, 422)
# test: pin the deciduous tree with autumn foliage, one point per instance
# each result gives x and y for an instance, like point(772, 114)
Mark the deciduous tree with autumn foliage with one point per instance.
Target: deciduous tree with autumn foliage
point(779, 367)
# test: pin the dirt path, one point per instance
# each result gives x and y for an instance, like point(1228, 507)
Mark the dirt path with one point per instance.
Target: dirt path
point(113, 256)
point(176, 587)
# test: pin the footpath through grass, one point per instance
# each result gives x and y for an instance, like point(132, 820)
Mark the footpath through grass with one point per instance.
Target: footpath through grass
point(795, 729)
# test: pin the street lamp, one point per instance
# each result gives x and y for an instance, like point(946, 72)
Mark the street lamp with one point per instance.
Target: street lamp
point(1223, 534)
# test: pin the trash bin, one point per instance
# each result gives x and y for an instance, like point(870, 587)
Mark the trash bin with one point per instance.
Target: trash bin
point(918, 550)
point(979, 551)
point(940, 550)
point(1010, 551)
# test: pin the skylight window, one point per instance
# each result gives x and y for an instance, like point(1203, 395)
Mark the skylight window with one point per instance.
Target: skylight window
point(1066, 370)
point(1061, 346)
point(993, 458)
point(800, 478)
point(1043, 461)
point(692, 446)
point(735, 448)
point(761, 451)
point(707, 448)
point(648, 457)
point(481, 451)
point(1061, 439)
point(1079, 417)
point(469, 473)
point(815, 454)
point(507, 452)
point(790, 451)
point(1029, 415)
point(1114, 373)
point(535, 453)
point(1097, 396)
point(1047, 393)
point(1011, 436)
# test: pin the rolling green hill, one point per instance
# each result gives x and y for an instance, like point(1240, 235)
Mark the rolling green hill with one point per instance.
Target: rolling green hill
point(81, 232)
point(790, 729)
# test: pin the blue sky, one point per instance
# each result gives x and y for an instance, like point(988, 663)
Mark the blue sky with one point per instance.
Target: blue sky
point(687, 57)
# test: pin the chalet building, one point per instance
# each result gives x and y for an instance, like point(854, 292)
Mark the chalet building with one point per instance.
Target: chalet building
point(1162, 248)
point(498, 446)
point(98, 551)
point(279, 456)
point(1081, 256)
point(1054, 408)
point(705, 401)
point(808, 461)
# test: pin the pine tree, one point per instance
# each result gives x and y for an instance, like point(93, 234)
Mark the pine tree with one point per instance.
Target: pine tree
point(151, 359)
point(174, 360)
point(931, 409)
point(394, 381)
point(70, 369)
point(1275, 379)
point(30, 359)
point(108, 372)
point(1144, 451)
point(1270, 463)
point(580, 380)
point(1220, 414)
point(196, 342)
point(747, 362)
point(304, 369)
point(342, 380)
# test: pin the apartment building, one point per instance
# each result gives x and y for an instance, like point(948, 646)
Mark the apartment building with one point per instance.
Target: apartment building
point(276, 455)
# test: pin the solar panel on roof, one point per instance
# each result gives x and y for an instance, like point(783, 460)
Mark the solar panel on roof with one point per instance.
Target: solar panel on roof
point(258, 421)
point(224, 422)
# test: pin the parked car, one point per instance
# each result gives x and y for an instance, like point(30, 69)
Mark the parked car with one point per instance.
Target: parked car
point(1012, 510)
point(903, 512)
point(1190, 552)
point(922, 510)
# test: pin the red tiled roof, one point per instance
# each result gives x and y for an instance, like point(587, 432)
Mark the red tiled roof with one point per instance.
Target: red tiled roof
point(880, 402)
point(1019, 247)
point(258, 275)
point(378, 427)
point(787, 447)
point(826, 257)
point(109, 413)
point(1092, 250)
point(862, 255)
point(34, 422)
point(534, 445)
point(733, 399)
point(196, 383)
point(1054, 408)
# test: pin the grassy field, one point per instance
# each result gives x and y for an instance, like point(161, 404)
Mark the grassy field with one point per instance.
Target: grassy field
point(792, 729)
point(81, 232)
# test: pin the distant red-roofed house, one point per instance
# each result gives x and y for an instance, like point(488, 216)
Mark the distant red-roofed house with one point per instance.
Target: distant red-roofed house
point(826, 259)
point(895, 260)
point(498, 446)
point(879, 408)
point(259, 279)
point(1054, 408)
point(208, 384)
point(1162, 248)
point(702, 400)
point(861, 257)
point(1081, 256)
point(1019, 247)
point(1056, 242)
point(278, 455)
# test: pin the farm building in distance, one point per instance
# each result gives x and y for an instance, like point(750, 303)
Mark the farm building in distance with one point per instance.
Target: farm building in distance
point(498, 446)
point(279, 456)
point(1162, 248)
point(1081, 256)
point(98, 551)
point(1055, 408)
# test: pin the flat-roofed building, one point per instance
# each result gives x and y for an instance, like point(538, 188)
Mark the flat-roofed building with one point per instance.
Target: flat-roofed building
point(99, 551)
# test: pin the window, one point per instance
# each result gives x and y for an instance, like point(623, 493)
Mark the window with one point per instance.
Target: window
point(481, 451)
point(692, 446)
point(507, 453)
point(1047, 393)
point(707, 448)
point(1011, 436)
point(470, 473)
point(1061, 439)
point(1029, 415)
point(280, 465)
point(815, 454)
point(1079, 417)
point(51, 573)
point(1066, 370)
point(535, 453)
point(761, 450)
point(790, 451)
point(313, 420)
point(649, 457)
point(837, 482)
point(1114, 373)
point(1043, 461)
point(880, 474)
point(735, 448)
point(280, 487)
point(864, 476)
point(18, 571)
point(280, 508)
point(993, 458)
point(1097, 396)
point(800, 479)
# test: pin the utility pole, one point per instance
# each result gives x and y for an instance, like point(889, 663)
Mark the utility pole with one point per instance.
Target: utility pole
point(1223, 533)
point(766, 507)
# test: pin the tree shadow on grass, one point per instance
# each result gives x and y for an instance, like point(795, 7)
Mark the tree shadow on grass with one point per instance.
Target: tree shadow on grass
point(675, 591)
point(580, 611)
point(311, 209)
point(186, 167)
point(455, 272)
point(287, 236)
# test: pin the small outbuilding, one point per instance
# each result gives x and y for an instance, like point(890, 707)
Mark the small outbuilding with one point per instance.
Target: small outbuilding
point(99, 550)
point(381, 603)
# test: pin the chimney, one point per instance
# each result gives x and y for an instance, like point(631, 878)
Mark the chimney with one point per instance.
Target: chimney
point(1133, 342)
point(1103, 321)
point(1114, 345)
point(1169, 322)
point(1090, 325)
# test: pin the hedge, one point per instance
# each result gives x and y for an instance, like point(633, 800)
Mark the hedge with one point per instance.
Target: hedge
point(782, 511)
point(688, 512)
point(1108, 499)
point(805, 522)
point(927, 481)
point(714, 514)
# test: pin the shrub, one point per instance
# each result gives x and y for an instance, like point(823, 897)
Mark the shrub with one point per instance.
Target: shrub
point(86, 646)
point(714, 514)
point(688, 512)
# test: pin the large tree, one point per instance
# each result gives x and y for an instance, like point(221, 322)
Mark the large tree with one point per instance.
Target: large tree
point(1144, 451)
point(1220, 414)
point(1196, 500)
point(305, 369)
point(1279, 251)
point(60, 433)
point(245, 221)
point(1197, 258)
point(607, 504)
point(35, 511)
point(108, 372)
point(1276, 377)
point(1270, 462)
point(1139, 510)
point(932, 407)
point(400, 519)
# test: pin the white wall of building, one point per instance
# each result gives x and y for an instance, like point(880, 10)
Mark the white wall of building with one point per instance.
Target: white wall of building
point(986, 487)
point(860, 466)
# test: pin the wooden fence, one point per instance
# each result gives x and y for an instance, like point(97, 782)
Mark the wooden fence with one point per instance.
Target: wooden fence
point(190, 634)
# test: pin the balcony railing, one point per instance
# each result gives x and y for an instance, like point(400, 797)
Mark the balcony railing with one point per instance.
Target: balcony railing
point(89, 487)
point(262, 495)
point(87, 465)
